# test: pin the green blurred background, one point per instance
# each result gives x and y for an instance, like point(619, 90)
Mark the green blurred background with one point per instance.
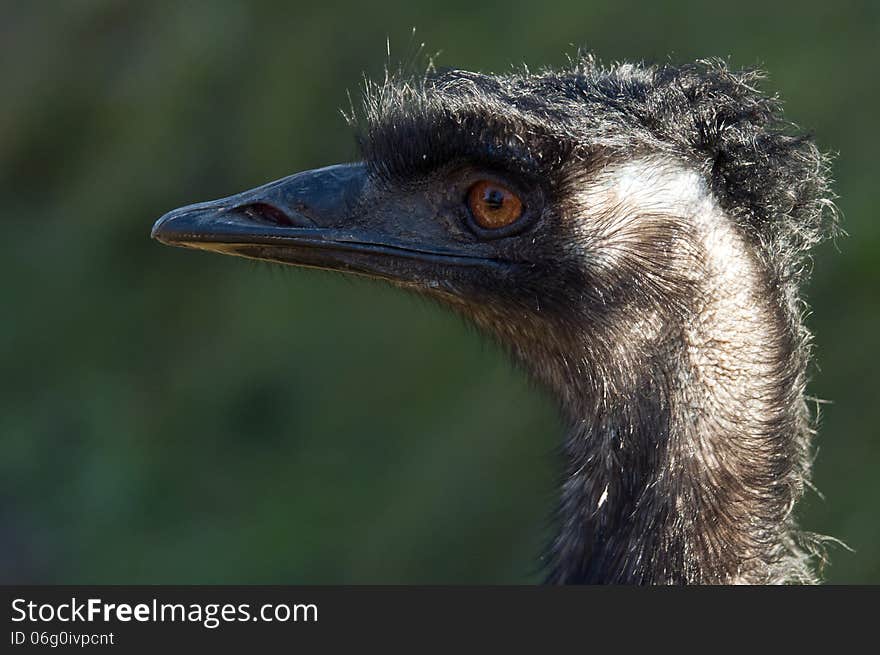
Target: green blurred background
point(178, 417)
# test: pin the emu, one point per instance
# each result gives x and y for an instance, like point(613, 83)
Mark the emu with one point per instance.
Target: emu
point(636, 236)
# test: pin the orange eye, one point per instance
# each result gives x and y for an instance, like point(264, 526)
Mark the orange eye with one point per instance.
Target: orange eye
point(493, 205)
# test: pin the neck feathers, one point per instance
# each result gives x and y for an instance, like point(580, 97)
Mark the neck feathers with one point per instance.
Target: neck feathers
point(688, 438)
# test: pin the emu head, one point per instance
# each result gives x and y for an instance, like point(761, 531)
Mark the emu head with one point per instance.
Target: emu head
point(559, 211)
point(636, 236)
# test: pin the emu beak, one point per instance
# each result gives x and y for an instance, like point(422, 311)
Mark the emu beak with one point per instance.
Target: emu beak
point(330, 218)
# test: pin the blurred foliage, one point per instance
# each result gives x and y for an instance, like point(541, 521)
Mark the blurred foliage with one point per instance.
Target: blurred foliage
point(170, 416)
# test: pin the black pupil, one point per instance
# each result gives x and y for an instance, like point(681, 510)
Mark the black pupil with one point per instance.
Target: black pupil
point(494, 199)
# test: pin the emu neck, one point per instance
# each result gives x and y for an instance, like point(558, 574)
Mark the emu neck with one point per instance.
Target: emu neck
point(685, 450)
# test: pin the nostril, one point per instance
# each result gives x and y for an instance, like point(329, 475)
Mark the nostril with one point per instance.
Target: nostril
point(266, 213)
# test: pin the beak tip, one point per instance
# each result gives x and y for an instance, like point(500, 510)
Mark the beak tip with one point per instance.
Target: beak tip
point(163, 229)
point(156, 231)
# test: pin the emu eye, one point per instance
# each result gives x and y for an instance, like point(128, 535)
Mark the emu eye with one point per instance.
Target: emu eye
point(493, 205)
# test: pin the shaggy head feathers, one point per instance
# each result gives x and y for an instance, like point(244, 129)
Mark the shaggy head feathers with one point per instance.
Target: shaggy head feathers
point(771, 180)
